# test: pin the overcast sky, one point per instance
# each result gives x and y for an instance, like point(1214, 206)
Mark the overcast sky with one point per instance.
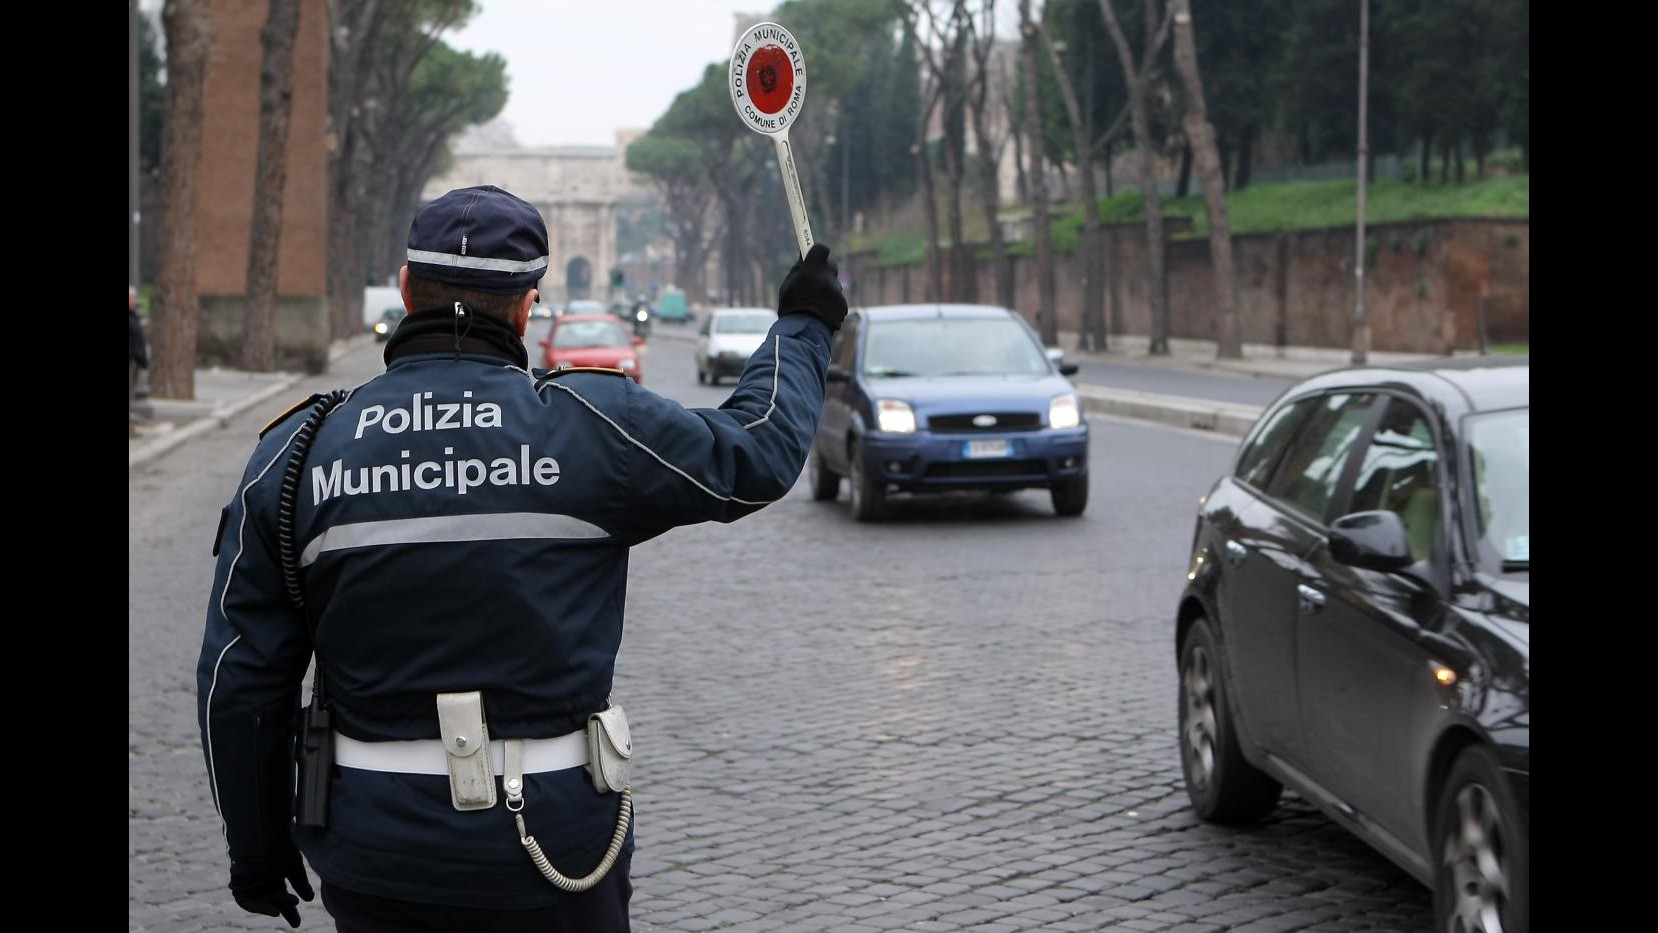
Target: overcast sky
point(578, 70)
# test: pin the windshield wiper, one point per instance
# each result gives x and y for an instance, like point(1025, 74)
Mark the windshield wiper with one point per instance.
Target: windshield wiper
point(1516, 566)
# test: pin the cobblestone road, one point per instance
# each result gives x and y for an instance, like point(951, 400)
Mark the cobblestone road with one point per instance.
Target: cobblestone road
point(962, 718)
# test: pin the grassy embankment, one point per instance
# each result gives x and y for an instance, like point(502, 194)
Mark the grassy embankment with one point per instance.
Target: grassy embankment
point(1296, 205)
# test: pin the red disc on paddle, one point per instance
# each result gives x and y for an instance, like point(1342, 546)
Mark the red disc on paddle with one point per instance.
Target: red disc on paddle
point(770, 78)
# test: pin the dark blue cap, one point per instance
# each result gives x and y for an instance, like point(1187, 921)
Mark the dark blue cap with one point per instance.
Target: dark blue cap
point(482, 238)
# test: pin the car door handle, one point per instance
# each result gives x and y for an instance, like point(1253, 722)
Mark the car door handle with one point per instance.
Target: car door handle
point(1311, 600)
point(1235, 553)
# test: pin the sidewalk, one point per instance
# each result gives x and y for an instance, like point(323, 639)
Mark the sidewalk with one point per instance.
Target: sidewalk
point(221, 394)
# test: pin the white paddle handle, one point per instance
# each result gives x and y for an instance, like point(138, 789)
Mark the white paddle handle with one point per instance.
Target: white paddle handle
point(791, 187)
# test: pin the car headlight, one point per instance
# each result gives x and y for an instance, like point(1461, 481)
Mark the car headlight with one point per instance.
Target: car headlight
point(894, 416)
point(380, 327)
point(1063, 411)
point(626, 365)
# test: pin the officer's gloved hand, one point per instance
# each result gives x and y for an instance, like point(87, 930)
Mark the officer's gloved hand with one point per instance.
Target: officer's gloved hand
point(260, 888)
point(813, 287)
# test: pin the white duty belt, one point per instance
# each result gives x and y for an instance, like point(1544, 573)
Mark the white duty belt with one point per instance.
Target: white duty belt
point(427, 756)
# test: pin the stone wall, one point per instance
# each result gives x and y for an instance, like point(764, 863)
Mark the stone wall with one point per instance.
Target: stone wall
point(1423, 282)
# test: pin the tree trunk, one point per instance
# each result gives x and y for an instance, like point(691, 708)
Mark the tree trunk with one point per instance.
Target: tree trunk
point(929, 201)
point(1444, 163)
point(1047, 323)
point(1202, 136)
point(961, 286)
point(1183, 183)
point(1157, 283)
point(188, 28)
point(1091, 335)
point(1246, 157)
point(276, 98)
point(355, 30)
point(1457, 150)
point(989, 163)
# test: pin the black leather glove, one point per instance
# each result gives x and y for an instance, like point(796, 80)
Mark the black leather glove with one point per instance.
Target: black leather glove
point(813, 287)
point(259, 888)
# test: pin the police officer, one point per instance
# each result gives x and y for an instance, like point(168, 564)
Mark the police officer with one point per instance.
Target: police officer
point(453, 547)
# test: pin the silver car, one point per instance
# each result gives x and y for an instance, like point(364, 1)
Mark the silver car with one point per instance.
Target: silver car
point(727, 339)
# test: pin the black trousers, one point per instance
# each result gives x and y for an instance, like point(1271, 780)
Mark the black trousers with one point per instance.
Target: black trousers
point(602, 908)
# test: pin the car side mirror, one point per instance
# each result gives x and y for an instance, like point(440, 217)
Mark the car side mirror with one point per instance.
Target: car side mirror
point(1374, 540)
point(838, 374)
point(638, 340)
point(545, 344)
point(1068, 369)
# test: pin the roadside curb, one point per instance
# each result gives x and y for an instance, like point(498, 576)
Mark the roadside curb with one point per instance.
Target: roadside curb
point(1226, 418)
point(217, 418)
point(220, 416)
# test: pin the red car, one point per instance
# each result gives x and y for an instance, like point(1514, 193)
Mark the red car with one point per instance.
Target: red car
point(593, 340)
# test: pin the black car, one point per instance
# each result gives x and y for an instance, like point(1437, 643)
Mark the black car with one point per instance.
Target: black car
point(1356, 625)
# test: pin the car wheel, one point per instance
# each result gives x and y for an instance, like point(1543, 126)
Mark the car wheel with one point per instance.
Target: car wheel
point(1070, 495)
point(702, 377)
point(1482, 850)
point(1224, 788)
point(869, 496)
point(713, 377)
point(826, 483)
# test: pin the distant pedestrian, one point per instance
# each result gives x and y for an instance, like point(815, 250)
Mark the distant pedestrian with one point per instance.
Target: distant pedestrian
point(138, 355)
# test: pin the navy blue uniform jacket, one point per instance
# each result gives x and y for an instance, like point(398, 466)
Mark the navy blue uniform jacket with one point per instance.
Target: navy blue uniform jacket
point(464, 524)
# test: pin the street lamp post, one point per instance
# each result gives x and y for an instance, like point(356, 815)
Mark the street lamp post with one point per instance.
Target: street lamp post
point(1361, 328)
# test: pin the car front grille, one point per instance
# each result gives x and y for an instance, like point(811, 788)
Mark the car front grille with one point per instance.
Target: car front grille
point(976, 469)
point(1005, 421)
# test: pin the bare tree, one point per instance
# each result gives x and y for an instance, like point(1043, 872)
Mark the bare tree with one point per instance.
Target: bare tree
point(1202, 137)
point(1046, 322)
point(276, 99)
point(1137, 80)
point(1095, 262)
point(929, 199)
point(189, 34)
point(990, 148)
point(355, 28)
point(947, 69)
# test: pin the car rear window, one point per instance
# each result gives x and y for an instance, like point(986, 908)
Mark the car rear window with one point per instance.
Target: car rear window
point(952, 347)
point(589, 334)
point(754, 323)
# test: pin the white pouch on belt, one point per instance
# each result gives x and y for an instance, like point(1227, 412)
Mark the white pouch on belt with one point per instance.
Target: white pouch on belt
point(609, 750)
point(466, 745)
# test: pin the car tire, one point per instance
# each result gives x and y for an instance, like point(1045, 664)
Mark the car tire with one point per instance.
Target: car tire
point(1070, 496)
point(702, 377)
point(713, 377)
point(1223, 787)
point(869, 496)
point(1481, 851)
point(826, 483)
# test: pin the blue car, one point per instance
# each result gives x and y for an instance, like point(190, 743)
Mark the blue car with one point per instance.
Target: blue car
point(928, 398)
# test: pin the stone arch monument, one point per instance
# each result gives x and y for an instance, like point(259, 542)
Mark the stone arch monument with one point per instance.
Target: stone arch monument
point(576, 188)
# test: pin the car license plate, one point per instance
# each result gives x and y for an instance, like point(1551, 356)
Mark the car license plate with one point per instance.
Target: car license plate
point(978, 450)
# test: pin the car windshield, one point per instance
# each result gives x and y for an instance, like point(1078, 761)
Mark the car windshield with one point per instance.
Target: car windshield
point(589, 334)
point(952, 347)
point(583, 306)
point(754, 323)
point(1501, 447)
